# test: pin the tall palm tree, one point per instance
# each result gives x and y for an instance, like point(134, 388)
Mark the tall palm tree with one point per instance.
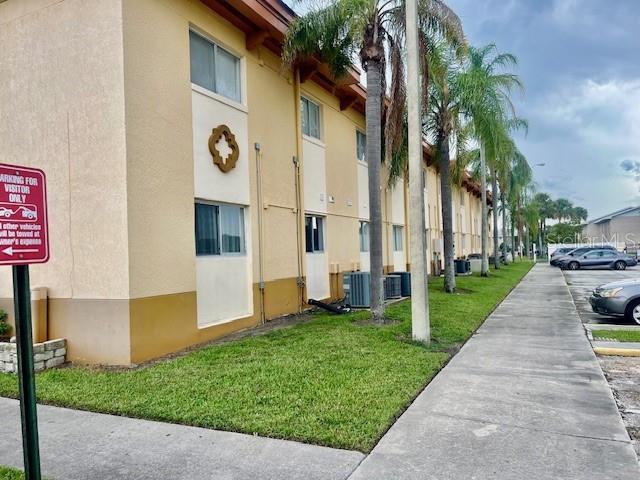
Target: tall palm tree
point(521, 180)
point(546, 208)
point(563, 209)
point(578, 214)
point(337, 31)
point(490, 108)
point(442, 122)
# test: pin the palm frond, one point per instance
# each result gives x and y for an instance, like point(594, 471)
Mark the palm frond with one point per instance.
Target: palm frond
point(394, 124)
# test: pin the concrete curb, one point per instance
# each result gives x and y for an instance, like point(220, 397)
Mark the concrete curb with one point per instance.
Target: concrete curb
point(617, 352)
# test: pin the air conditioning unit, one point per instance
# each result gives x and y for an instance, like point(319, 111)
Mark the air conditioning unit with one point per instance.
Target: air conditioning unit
point(392, 286)
point(357, 289)
point(437, 245)
point(405, 282)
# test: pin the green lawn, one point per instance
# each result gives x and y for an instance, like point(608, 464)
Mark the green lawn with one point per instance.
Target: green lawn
point(620, 335)
point(336, 380)
point(10, 474)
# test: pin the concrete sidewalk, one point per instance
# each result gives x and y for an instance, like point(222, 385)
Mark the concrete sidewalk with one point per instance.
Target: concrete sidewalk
point(524, 399)
point(81, 446)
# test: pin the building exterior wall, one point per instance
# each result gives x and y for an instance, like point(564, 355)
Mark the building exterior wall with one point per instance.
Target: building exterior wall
point(63, 110)
point(622, 229)
point(123, 136)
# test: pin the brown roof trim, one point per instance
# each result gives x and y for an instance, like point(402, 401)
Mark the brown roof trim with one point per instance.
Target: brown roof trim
point(265, 22)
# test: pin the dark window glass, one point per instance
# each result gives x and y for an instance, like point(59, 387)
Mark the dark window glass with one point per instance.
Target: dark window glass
point(314, 234)
point(207, 233)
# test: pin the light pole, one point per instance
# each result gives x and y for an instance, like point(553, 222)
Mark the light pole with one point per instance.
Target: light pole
point(420, 328)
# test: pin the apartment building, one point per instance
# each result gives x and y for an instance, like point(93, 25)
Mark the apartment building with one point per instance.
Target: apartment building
point(196, 187)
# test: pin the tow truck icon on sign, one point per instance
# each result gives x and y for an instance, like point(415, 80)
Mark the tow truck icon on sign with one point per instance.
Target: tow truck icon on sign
point(18, 213)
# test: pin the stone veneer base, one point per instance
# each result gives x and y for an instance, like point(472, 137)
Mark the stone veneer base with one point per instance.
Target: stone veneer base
point(46, 355)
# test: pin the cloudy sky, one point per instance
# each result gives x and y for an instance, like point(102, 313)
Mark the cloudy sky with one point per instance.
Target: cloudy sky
point(580, 61)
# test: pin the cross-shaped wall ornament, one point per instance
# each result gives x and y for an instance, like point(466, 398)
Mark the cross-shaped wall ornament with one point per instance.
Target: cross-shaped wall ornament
point(224, 148)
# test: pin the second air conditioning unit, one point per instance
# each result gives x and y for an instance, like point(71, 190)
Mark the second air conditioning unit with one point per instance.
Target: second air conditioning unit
point(392, 286)
point(356, 289)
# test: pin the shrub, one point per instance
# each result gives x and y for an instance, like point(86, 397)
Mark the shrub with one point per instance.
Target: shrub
point(5, 328)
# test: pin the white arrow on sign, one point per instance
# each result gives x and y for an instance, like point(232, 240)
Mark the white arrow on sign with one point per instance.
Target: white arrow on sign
point(10, 250)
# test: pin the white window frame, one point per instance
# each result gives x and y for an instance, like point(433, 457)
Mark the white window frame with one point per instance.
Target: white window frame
point(241, 66)
point(397, 248)
point(320, 118)
point(364, 246)
point(323, 235)
point(363, 160)
point(243, 210)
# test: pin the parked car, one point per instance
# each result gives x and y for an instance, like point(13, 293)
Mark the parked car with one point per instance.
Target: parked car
point(603, 258)
point(559, 252)
point(618, 298)
point(555, 261)
point(29, 214)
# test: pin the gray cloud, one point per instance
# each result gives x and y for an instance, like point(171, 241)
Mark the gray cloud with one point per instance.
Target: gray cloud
point(578, 62)
point(630, 166)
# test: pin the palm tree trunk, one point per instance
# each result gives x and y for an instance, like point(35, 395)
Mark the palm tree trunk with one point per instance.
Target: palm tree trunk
point(494, 206)
point(373, 153)
point(484, 270)
point(540, 239)
point(513, 236)
point(447, 214)
point(504, 227)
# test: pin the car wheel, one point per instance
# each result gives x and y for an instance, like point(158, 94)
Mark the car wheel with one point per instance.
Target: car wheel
point(573, 266)
point(620, 265)
point(632, 314)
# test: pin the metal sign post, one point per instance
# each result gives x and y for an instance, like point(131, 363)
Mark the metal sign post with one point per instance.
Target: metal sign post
point(24, 239)
point(26, 379)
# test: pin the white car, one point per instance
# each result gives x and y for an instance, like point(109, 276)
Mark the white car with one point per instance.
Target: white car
point(5, 212)
point(29, 214)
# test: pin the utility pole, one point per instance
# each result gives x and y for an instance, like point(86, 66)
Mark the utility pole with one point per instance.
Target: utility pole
point(420, 328)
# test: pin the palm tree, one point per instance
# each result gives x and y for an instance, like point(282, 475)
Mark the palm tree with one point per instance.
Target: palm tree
point(489, 109)
point(499, 168)
point(530, 216)
point(443, 122)
point(578, 214)
point(563, 209)
point(546, 208)
point(521, 178)
point(337, 31)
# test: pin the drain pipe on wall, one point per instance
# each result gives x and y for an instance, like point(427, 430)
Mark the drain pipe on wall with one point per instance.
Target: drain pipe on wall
point(299, 172)
point(299, 280)
point(260, 230)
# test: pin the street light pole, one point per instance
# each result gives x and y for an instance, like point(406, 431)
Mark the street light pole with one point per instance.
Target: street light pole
point(420, 328)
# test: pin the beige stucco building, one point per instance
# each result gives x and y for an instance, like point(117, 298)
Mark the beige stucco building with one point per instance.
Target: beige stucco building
point(154, 246)
point(621, 228)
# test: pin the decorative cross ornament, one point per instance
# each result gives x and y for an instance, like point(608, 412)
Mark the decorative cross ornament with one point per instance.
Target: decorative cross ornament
point(224, 148)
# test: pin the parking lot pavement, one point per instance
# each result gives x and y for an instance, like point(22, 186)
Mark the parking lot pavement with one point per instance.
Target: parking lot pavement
point(622, 373)
point(582, 282)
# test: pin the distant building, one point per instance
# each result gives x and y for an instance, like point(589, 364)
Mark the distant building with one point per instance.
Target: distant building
point(621, 227)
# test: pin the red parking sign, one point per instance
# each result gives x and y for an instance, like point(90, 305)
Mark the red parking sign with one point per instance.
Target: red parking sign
point(24, 237)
